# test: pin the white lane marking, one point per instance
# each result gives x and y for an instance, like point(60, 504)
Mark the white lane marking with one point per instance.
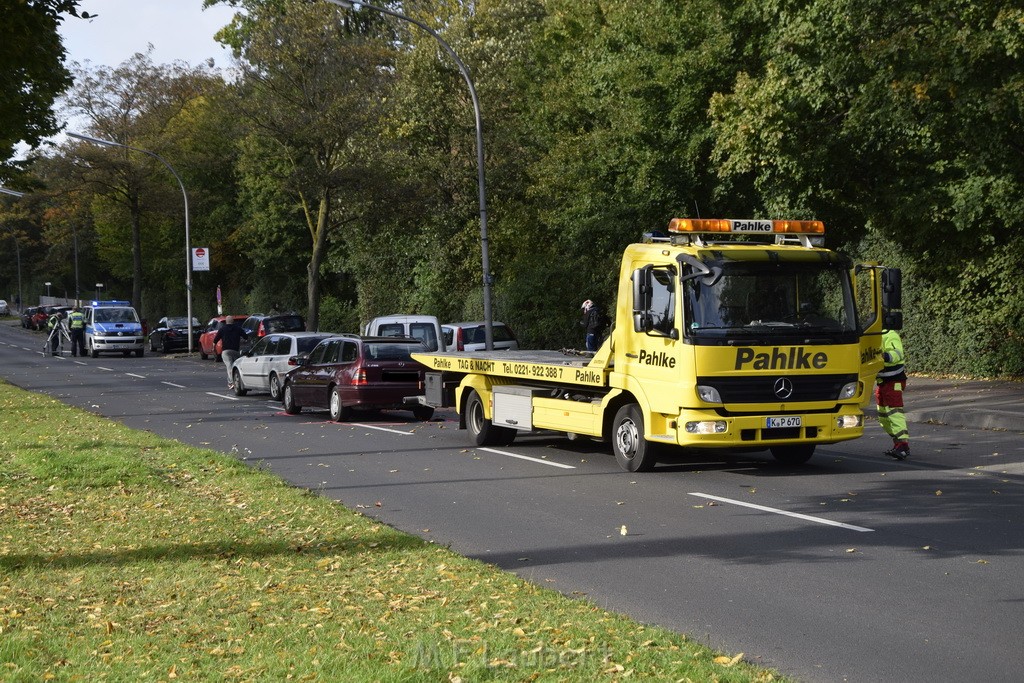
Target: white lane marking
point(172, 384)
point(132, 374)
point(776, 511)
point(383, 429)
point(526, 457)
point(78, 362)
point(103, 368)
point(213, 393)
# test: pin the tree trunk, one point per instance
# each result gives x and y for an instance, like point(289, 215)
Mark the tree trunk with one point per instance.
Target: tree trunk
point(316, 258)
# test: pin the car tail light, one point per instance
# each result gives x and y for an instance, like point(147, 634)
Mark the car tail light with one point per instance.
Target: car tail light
point(459, 344)
point(359, 376)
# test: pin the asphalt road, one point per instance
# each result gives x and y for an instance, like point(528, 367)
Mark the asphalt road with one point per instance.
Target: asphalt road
point(856, 567)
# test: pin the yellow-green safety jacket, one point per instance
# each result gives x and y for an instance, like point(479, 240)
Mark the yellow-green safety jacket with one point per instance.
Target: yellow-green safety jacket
point(892, 356)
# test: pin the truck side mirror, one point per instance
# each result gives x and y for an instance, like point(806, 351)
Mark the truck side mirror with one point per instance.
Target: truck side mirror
point(641, 299)
point(892, 298)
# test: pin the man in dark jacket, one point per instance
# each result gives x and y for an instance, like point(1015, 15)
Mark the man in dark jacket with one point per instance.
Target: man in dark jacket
point(230, 336)
point(594, 321)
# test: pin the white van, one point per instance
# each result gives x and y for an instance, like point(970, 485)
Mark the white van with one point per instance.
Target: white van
point(426, 328)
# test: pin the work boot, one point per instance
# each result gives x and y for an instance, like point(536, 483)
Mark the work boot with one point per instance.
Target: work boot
point(900, 451)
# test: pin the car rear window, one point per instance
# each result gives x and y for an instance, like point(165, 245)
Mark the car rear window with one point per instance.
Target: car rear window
point(390, 351)
point(307, 344)
point(426, 333)
point(285, 323)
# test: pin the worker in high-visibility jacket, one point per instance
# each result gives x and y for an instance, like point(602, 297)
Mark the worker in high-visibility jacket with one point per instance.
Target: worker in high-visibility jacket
point(889, 385)
point(76, 323)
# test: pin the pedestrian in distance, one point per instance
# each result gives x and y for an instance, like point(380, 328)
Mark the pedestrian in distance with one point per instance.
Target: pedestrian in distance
point(889, 385)
point(76, 324)
point(230, 336)
point(594, 322)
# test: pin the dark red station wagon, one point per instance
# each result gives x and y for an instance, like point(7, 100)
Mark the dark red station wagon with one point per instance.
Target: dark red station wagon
point(348, 373)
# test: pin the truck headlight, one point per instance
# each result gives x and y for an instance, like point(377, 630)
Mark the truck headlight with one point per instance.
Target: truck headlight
point(849, 390)
point(849, 421)
point(708, 394)
point(705, 427)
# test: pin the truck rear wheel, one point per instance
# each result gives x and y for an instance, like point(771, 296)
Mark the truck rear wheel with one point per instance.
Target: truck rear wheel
point(793, 455)
point(633, 452)
point(484, 433)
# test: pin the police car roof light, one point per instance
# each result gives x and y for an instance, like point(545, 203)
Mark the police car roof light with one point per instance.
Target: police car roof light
point(745, 226)
point(112, 302)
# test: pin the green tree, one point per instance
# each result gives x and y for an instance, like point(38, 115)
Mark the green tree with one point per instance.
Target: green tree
point(32, 74)
point(313, 90)
point(148, 107)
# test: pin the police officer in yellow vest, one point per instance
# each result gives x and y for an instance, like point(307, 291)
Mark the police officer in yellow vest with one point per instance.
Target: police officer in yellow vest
point(889, 385)
point(76, 322)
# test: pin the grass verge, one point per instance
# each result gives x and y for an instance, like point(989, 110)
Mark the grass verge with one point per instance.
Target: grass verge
point(125, 556)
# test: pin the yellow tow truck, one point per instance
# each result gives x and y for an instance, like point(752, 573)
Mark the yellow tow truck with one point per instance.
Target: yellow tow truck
point(722, 340)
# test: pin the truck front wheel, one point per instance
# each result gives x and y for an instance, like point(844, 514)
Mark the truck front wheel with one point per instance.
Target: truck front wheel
point(480, 428)
point(793, 455)
point(633, 452)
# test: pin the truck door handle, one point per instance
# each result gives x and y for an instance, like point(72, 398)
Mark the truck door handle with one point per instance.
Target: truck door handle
point(511, 422)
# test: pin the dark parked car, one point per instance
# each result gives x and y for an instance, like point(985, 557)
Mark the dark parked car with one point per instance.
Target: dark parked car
point(26, 317)
point(259, 326)
point(348, 373)
point(206, 346)
point(172, 334)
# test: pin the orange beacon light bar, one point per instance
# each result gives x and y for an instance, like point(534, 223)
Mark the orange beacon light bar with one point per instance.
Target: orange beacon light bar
point(745, 226)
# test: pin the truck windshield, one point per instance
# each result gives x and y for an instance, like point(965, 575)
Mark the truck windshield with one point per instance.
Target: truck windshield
point(772, 299)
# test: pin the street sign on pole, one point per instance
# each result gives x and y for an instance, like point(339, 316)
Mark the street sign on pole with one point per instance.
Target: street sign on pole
point(201, 259)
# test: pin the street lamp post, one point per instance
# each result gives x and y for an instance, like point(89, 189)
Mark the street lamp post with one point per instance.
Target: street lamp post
point(47, 289)
point(188, 238)
point(17, 249)
point(485, 259)
point(99, 290)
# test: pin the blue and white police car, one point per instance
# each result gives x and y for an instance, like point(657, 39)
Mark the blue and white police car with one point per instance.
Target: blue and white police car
point(113, 326)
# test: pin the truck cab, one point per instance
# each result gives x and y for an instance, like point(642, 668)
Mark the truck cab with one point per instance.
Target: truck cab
point(113, 326)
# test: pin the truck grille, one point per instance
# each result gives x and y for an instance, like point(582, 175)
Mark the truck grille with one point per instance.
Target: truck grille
point(762, 389)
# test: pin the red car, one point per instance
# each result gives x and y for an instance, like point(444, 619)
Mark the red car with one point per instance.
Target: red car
point(349, 373)
point(206, 346)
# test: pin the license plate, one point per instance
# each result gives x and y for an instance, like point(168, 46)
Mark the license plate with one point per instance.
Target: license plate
point(119, 346)
point(783, 422)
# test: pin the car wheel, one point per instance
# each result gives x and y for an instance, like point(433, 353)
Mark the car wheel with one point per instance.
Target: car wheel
point(93, 351)
point(422, 412)
point(236, 379)
point(275, 387)
point(152, 345)
point(633, 452)
point(288, 400)
point(139, 353)
point(202, 354)
point(480, 428)
point(793, 455)
point(339, 412)
point(165, 348)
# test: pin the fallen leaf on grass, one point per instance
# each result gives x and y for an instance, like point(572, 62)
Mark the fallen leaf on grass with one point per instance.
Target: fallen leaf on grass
point(728, 661)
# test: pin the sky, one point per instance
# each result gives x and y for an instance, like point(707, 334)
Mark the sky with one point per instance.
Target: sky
point(177, 29)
